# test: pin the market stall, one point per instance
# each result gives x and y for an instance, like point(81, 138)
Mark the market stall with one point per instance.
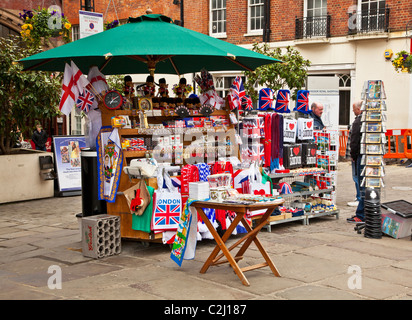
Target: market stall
point(159, 148)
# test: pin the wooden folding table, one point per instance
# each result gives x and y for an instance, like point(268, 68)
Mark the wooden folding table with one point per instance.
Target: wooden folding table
point(251, 235)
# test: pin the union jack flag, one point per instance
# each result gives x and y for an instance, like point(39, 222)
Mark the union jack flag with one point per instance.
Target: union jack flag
point(167, 216)
point(247, 103)
point(265, 98)
point(302, 103)
point(85, 100)
point(282, 101)
point(237, 89)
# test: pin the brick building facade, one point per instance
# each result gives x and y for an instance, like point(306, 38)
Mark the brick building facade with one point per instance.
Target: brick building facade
point(345, 41)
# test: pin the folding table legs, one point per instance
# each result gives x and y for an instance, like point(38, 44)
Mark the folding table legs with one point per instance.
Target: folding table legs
point(248, 238)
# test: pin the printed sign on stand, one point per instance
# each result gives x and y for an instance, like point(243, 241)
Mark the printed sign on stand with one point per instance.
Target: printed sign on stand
point(68, 164)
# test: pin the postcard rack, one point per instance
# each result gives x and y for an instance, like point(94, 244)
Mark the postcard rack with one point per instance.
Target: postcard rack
point(373, 130)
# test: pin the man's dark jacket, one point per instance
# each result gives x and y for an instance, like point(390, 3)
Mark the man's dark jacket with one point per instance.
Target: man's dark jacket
point(355, 138)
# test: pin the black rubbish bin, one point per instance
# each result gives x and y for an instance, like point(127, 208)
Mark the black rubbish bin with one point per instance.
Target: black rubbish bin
point(91, 205)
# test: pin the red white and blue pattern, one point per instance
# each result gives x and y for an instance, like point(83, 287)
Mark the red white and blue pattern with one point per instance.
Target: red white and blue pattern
point(265, 99)
point(247, 103)
point(237, 89)
point(282, 101)
point(167, 215)
point(85, 100)
point(285, 188)
point(302, 103)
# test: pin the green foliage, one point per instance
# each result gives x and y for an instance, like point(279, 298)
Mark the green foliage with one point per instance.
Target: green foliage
point(116, 82)
point(23, 95)
point(290, 74)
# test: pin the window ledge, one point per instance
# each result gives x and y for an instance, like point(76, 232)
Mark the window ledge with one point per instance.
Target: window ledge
point(314, 40)
point(368, 35)
point(218, 35)
point(253, 33)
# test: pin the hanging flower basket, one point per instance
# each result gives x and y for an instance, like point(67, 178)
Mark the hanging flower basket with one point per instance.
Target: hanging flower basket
point(403, 62)
point(40, 25)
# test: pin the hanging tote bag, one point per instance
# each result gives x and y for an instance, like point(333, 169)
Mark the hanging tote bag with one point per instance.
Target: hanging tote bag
point(167, 204)
point(257, 187)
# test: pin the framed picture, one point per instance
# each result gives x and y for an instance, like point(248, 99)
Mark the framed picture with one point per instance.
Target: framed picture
point(373, 149)
point(145, 104)
point(373, 138)
point(372, 182)
point(373, 116)
point(373, 127)
point(375, 89)
point(373, 171)
point(373, 160)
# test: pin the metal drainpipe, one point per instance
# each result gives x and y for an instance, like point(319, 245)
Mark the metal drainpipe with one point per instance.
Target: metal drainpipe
point(266, 27)
point(181, 13)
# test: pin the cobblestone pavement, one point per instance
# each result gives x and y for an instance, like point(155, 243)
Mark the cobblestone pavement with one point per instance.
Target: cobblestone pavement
point(314, 260)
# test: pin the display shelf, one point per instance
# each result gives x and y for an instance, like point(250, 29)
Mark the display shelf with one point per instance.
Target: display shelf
point(304, 218)
point(307, 193)
point(322, 214)
point(295, 174)
point(135, 154)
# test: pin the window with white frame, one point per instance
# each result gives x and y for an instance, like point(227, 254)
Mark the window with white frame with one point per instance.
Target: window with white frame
point(218, 17)
point(255, 16)
point(372, 14)
point(75, 33)
point(315, 23)
point(316, 8)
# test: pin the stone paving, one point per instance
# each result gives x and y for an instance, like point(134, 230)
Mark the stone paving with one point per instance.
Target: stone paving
point(314, 260)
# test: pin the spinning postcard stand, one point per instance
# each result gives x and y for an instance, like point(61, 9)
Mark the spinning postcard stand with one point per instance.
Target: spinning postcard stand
point(373, 134)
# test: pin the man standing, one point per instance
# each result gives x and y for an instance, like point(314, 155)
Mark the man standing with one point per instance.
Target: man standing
point(39, 138)
point(355, 141)
point(317, 110)
point(356, 107)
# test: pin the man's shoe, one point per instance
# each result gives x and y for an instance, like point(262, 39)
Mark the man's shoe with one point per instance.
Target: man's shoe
point(353, 203)
point(354, 219)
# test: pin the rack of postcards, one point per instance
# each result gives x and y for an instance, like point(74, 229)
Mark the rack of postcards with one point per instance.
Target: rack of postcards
point(373, 130)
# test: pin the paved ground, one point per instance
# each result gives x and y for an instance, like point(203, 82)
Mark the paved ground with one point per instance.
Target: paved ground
point(313, 259)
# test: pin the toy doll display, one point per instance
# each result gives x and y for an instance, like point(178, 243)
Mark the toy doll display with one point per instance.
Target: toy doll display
point(163, 90)
point(149, 87)
point(182, 89)
point(128, 89)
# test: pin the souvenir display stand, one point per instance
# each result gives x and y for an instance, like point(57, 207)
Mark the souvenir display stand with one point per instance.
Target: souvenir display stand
point(196, 138)
point(372, 149)
point(301, 163)
point(373, 137)
point(159, 133)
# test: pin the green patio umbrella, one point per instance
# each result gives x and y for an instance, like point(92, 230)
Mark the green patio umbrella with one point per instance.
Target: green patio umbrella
point(149, 43)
